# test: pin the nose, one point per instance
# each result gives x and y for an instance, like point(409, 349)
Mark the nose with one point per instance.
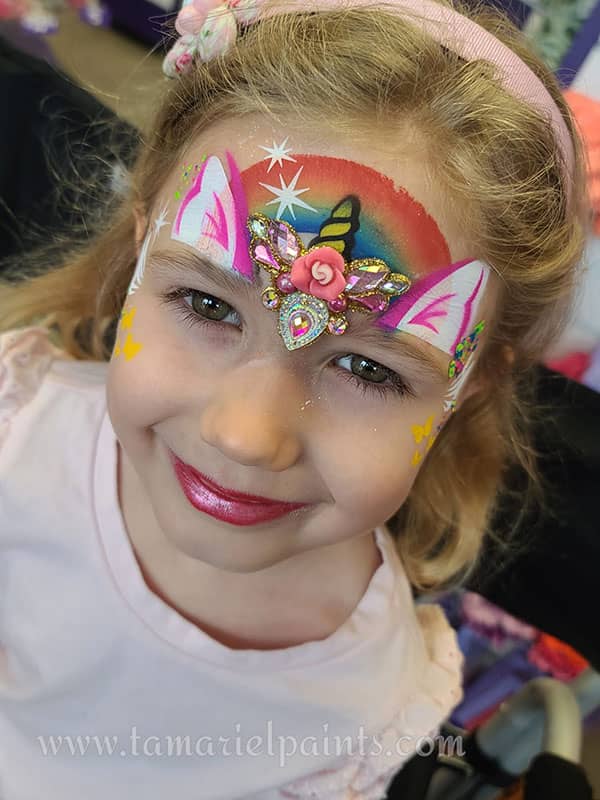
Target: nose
point(252, 416)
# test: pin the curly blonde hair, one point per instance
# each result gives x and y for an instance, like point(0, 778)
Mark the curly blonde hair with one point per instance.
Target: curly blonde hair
point(494, 155)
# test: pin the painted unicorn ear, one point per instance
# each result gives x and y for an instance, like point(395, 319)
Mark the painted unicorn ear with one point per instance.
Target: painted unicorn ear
point(212, 217)
point(440, 308)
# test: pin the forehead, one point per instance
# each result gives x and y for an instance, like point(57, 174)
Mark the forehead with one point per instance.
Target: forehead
point(397, 213)
point(372, 204)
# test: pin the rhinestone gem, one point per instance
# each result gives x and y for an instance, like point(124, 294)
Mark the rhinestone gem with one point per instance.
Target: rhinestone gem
point(374, 302)
point(301, 319)
point(338, 304)
point(366, 278)
point(300, 324)
point(270, 298)
point(395, 284)
point(337, 326)
point(258, 227)
point(284, 241)
point(262, 254)
point(284, 284)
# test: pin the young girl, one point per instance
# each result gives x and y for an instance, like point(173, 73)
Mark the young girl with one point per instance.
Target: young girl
point(351, 228)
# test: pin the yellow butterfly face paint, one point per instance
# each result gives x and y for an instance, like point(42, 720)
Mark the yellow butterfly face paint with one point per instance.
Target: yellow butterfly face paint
point(125, 344)
point(424, 439)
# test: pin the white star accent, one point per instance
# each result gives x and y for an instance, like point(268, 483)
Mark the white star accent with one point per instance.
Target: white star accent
point(287, 195)
point(149, 239)
point(160, 221)
point(278, 153)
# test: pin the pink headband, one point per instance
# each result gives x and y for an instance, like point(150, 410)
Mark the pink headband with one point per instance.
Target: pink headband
point(209, 27)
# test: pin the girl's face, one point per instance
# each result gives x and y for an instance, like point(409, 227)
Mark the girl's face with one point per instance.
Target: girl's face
point(327, 438)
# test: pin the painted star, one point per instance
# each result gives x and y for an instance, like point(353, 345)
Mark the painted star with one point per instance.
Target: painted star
point(278, 153)
point(160, 221)
point(287, 195)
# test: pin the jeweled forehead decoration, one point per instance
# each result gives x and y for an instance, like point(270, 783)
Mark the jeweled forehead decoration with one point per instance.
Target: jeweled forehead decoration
point(314, 288)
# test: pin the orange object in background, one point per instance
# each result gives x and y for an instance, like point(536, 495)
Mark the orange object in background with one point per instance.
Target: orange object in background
point(587, 113)
point(557, 658)
point(514, 792)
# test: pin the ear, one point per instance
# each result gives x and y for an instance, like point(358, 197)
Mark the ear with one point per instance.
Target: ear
point(141, 226)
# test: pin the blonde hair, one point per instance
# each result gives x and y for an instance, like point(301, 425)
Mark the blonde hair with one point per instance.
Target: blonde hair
point(494, 156)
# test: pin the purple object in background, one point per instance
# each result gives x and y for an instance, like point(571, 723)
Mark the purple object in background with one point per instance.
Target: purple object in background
point(148, 21)
point(97, 15)
point(493, 686)
point(40, 22)
point(451, 602)
point(493, 622)
point(584, 41)
point(19, 37)
point(478, 656)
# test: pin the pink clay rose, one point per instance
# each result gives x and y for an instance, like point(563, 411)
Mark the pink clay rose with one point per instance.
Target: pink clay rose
point(320, 273)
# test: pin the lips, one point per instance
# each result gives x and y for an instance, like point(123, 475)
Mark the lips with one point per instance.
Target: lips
point(226, 504)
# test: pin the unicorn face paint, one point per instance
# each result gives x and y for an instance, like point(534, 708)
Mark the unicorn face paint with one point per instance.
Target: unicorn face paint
point(339, 208)
point(341, 427)
point(371, 219)
point(212, 216)
point(442, 307)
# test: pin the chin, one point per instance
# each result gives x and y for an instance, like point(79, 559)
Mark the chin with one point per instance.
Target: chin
point(230, 551)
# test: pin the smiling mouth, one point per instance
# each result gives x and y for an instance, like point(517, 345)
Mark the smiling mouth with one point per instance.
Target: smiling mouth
point(224, 504)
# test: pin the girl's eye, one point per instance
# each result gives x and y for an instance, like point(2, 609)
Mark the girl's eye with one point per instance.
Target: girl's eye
point(369, 375)
point(210, 307)
point(201, 308)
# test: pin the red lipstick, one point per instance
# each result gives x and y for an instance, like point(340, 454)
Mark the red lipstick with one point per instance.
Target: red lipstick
point(226, 504)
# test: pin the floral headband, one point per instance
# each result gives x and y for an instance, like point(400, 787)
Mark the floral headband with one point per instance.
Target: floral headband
point(208, 28)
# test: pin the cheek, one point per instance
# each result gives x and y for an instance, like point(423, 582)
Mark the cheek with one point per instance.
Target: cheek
point(374, 463)
point(143, 368)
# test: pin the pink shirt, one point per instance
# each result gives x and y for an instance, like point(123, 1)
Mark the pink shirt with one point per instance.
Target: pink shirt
point(141, 696)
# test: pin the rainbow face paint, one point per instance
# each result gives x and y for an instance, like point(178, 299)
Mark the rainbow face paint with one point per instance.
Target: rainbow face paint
point(341, 205)
point(383, 221)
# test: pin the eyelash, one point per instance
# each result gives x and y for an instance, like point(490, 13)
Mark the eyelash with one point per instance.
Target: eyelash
point(188, 316)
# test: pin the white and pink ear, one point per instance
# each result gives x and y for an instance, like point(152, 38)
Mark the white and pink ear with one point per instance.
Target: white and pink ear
point(441, 308)
point(212, 217)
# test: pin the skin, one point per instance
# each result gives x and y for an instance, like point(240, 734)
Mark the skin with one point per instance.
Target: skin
point(230, 400)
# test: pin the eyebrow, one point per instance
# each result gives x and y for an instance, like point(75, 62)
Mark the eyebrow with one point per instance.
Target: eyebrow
point(169, 264)
point(398, 344)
